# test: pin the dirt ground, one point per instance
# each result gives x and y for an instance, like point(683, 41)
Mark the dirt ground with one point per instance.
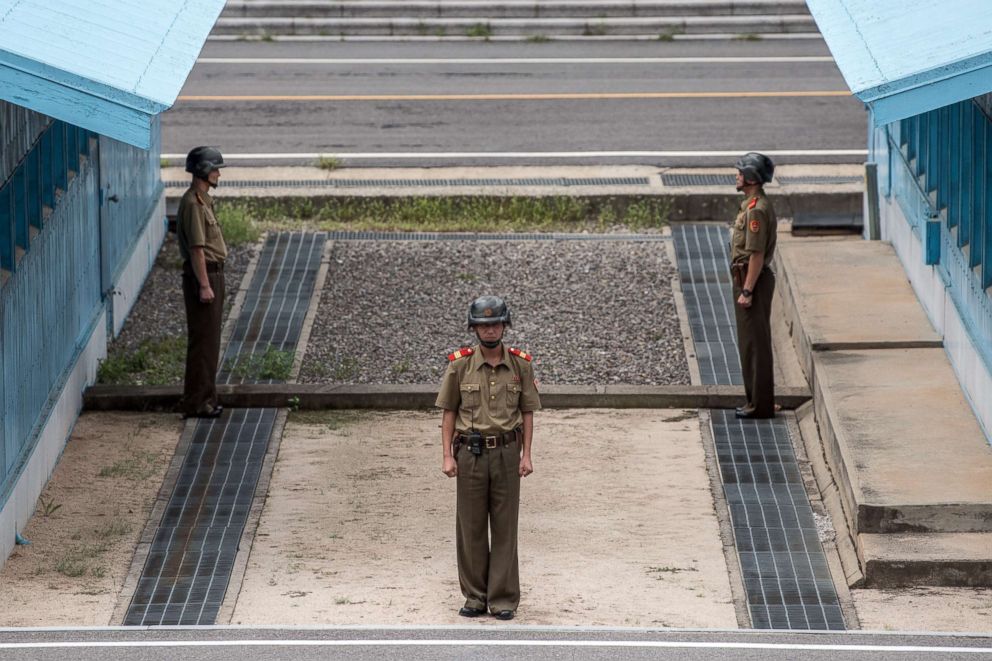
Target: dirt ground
point(88, 521)
point(617, 525)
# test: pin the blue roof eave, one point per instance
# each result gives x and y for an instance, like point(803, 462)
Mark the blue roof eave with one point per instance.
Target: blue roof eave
point(100, 108)
point(929, 90)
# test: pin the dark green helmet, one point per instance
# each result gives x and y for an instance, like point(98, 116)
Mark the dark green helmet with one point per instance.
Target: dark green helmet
point(756, 168)
point(201, 161)
point(487, 310)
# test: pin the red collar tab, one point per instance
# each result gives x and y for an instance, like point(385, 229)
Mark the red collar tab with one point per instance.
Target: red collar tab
point(754, 203)
point(523, 354)
point(461, 353)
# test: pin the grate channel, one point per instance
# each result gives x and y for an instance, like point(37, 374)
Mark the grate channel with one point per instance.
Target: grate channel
point(698, 179)
point(786, 578)
point(837, 180)
point(191, 558)
point(426, 183)
point(489, 236)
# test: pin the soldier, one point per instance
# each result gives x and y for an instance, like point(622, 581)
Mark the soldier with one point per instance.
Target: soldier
point(752, 247)
point(202, 248)
point(489, 396)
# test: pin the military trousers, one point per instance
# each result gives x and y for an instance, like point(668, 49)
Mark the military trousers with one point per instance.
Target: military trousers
point(488, 505)
point(754, 343)
point(203, 327)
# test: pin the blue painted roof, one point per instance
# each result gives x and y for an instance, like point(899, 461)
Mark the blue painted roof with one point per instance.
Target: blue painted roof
point(906, 57)
point(106, 65)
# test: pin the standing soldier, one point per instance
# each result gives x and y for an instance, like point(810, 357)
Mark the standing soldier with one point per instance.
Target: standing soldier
point(752, 247)
point(202, 248)
point(489, 396)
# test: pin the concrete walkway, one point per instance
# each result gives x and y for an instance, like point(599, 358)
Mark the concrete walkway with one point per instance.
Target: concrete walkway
point(903, 462)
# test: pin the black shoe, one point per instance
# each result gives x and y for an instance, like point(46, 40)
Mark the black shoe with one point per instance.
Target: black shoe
point(468, 611)
point(215, 412)
point(753, 415)
point(503, 615)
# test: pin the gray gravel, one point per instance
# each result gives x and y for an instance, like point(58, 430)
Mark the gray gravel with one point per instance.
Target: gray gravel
point(159, 311)
point(590, 312)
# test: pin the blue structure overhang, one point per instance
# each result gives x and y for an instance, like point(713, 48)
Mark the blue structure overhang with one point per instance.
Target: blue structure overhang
point(906, 57)
point(108, 66)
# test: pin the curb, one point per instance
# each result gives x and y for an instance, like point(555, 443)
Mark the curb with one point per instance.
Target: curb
point(412, 397)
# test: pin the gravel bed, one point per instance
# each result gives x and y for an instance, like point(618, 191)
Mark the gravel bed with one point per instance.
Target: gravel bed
point(159, 311)
point(590, 312)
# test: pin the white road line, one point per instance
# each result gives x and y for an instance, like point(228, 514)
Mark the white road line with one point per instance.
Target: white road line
point(530, 154)
point(646, 644)
point(516, 60)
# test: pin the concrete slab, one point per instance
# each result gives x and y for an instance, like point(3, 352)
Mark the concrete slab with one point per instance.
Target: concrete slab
point(850, 295)
point(947, 559)
point(902, 442)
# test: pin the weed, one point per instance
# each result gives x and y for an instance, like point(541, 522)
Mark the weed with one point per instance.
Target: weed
point(467, 277)
point(402, 367)
point(669, 570)
point(440, 31)
point(293, 403)
point(748, 37)
point(481, 30)
point(138, 467)
point(237, 224)
point(274, 364)
point(422, 29)
point(163, 163)
point(342, 601)
point(596, 30)
point(327, 162)
point(156, 361)
point(76, 561)
point(346, 369)
point(265, 36)
point(113, 529)
point(666, 36)
point(99, 572)
point(538, 38)
point(49, 507)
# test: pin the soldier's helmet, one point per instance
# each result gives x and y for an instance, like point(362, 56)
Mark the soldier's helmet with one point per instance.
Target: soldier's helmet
point(487, 310)
point(201, 161)
point(756, 168)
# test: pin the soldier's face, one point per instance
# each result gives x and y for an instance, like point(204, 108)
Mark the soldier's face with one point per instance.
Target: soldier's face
point(489, 332)
point(213, 178)
point(740, 180)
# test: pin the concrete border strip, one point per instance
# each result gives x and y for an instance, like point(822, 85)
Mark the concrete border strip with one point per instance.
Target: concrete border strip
point(730, 555)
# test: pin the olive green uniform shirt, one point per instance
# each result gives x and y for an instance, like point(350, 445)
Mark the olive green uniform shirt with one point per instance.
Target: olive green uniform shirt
point(755, 229)
point(489, 399)
point(197, 226)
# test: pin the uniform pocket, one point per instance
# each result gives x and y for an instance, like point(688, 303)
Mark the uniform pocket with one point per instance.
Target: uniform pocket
point(471, 395)
point(513, 395)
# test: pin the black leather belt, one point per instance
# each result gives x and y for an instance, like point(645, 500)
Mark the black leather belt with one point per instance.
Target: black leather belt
point(491, 441)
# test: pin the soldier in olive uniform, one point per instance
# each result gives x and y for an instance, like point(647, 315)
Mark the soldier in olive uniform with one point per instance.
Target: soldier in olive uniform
point(752, 247)
point(489, 396)
point(202, 248)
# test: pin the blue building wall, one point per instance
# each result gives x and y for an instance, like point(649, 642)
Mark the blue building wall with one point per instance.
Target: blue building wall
point(73, 205)
point(935, 180)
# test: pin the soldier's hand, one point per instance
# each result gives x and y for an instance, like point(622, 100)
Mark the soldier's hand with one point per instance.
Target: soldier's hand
point(526, 466)
point(744, 301)
point(449, 467)
point(206, 294)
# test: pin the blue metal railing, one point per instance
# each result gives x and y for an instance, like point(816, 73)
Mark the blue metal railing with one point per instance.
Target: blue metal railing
point(942, 177)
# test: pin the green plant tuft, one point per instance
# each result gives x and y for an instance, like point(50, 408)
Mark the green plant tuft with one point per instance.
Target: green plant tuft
point(327, 162)
point(156, 361)
point(237, 224)
point(481, 30)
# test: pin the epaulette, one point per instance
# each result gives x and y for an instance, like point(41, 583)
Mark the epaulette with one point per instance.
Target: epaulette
point(754, 203)
point(461, 353)
point(523, 354)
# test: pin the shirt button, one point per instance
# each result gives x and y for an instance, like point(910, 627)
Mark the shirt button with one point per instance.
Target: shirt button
point(492, 383)
point(492, 397)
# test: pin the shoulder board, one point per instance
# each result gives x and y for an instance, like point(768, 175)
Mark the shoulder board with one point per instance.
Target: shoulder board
point(523, 354)
point(199, 200)
point(753, 204)
point(461, 353)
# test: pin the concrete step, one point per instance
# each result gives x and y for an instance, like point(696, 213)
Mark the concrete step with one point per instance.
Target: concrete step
point(936, 559)
point(511, 9)
point(507, 27)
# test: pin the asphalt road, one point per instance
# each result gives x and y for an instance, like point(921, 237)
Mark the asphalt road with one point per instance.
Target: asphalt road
point(487, 642)
point(517, 103)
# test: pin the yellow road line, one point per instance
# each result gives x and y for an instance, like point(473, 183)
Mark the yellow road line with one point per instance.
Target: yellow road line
point(567, 96)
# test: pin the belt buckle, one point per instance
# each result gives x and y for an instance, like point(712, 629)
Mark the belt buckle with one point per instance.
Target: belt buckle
point(491, 442)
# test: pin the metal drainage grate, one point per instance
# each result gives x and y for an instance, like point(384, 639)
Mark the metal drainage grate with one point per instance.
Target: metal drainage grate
point(192, 556)
point(821, 180)
point(468, 236)
point(425, 183)
point(698, 179)
point(785, 572)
